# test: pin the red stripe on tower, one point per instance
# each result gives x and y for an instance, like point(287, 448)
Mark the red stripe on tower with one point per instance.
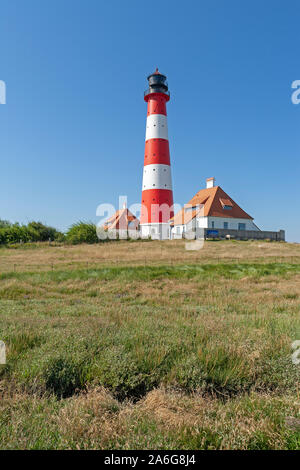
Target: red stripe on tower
point(157, 193)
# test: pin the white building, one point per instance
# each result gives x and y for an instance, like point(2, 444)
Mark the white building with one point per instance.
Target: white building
point(212, 209)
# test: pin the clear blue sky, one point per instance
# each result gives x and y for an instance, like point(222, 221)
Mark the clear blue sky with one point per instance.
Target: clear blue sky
point(72, 131)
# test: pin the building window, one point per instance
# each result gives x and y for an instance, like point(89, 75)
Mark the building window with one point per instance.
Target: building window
point(178, 230)
point(242, 226)
point(226, 204)
point(225, 224)
point(189, 209)
point(212, 224)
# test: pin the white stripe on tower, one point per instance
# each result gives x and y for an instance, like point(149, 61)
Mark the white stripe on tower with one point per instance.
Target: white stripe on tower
point(157, 127)
point(157, 177)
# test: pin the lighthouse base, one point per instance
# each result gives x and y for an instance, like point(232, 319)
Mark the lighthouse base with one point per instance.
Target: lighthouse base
point(156, 231)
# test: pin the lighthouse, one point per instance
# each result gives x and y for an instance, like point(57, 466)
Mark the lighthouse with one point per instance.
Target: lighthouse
point(157, 193)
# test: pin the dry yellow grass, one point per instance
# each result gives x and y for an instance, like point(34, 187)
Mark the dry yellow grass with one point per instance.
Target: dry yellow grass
point(150, 357)
point(96, 420)
point(46, 257)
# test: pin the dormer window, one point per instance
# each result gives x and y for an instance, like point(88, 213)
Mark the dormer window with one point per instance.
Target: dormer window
point(226, 204)
point(190, 208)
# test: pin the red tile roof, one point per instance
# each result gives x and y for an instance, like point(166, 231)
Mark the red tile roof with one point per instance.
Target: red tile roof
point(120, 221)
point(213, 200)
point(226, 202)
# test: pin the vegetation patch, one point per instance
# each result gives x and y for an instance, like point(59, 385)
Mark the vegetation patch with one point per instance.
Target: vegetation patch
point(184, 355)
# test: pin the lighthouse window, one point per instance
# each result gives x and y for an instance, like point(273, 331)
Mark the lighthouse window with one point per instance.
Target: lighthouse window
point(154, 185)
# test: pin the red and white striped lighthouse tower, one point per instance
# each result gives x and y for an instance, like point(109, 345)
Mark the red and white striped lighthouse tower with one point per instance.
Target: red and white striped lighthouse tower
point(157, 194)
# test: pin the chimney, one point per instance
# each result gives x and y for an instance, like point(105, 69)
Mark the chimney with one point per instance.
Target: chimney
point(210, 182)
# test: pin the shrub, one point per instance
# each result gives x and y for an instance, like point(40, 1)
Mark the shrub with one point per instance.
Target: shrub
point(40, 232)
point(14, 234)
point(60, 237)
point(4, 223)
point(63, 377)
point(33, 232)
point(82, 232)
point(123, 375)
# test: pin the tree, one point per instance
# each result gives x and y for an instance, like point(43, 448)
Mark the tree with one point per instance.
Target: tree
point(82, 232)
point(4, 223)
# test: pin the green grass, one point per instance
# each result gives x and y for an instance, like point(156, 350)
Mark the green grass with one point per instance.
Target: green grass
point(170, 356)
point(147, 273)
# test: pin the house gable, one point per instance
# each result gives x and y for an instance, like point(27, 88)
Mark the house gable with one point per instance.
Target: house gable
point(122, 220)
point(210, 202)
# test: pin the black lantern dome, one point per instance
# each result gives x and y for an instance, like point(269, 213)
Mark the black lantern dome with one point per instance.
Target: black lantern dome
point(157, 83)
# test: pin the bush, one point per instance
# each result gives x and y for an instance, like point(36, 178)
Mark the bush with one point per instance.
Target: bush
point(64, 377)
point(82, 232)
point(60, 237)
point(33, 232)
point(4, 223)
point(14, 234)
point(40, 232)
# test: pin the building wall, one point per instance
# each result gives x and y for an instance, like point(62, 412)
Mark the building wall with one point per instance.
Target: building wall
point(155, 231)
point(214, 222)
point(241, 234)
point(232, 233)
point(202, 222)
point(177, 231)
point(233, 224)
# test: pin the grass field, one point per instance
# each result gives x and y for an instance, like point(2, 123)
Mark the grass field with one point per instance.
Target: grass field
point(145, 345)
